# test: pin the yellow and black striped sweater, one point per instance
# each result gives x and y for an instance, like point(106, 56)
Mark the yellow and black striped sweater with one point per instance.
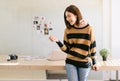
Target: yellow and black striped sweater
point(80, 46)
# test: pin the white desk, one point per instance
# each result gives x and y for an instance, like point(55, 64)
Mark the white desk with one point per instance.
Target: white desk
point(44, 64)
point(113, 64)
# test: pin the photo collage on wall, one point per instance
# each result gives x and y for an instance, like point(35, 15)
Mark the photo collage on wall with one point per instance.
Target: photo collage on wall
point(42, 25)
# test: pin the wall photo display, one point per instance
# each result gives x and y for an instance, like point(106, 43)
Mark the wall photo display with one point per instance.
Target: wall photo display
point(42, 25)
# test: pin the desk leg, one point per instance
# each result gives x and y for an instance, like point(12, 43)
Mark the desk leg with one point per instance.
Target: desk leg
point(117, 75)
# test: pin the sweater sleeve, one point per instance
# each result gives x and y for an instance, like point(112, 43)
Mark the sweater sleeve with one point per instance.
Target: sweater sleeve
point(66, 47)
point(93, 47)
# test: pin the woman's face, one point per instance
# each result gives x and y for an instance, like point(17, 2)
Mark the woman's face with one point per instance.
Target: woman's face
point(71, 18)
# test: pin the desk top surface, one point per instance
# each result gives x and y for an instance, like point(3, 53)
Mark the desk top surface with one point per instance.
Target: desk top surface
point(31, 62)
point(44, 64)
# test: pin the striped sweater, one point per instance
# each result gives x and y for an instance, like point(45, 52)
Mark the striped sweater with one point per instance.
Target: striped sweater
point(80, 46)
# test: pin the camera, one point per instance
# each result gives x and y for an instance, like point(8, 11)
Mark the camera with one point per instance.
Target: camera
point(12, 57)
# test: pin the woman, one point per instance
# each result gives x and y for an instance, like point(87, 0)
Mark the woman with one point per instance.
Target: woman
point(79, 45)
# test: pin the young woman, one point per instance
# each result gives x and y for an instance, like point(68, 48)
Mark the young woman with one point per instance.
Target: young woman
point(79, 45)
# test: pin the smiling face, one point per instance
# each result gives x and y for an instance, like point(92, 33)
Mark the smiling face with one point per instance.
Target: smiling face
point(71, 18)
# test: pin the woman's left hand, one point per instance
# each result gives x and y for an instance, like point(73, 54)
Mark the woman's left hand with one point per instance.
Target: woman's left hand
point(83, 23)
point(95, 67)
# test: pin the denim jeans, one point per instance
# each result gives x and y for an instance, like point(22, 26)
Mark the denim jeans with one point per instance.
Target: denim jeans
point(76, 74)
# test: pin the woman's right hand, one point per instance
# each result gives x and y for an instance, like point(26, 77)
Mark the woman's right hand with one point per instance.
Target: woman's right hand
point(53, 39)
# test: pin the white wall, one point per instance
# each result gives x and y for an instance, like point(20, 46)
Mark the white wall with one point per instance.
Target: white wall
point(115, 32)
point(16, 28)
point(18, 36)
point(115, 28)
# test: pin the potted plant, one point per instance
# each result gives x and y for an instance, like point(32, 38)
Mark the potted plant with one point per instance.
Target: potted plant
point(104, 52)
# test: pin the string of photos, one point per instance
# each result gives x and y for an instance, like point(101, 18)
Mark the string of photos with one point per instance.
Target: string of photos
point(42, 25)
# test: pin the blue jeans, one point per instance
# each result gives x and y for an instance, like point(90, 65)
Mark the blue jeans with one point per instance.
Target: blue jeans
point(76, 74)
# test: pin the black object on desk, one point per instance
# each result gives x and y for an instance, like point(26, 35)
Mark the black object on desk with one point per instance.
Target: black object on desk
point(12, 57)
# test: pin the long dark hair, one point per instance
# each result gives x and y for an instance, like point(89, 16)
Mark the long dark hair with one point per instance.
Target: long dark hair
point(72, 9)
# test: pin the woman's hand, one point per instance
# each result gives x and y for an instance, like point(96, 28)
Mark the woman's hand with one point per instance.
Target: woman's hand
point(53, 39)
point(83, 23)
point(95, 67)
